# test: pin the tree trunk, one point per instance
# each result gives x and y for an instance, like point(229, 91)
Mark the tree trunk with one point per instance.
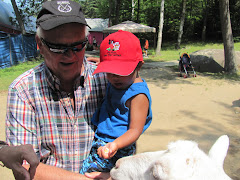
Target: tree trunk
point(118, 4)
point(161, 20)
point(110, 12)
point(18, 17)
point(180, 33)
point(229, 52)
point(133, 9)
point(205, 21)
point(138, 11)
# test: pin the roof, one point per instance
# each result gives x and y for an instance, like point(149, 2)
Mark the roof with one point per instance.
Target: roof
point(97, 24)
point(6, 11)
point(131, 27)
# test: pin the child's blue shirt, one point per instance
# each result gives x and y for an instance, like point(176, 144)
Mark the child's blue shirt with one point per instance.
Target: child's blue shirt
point(113, 117)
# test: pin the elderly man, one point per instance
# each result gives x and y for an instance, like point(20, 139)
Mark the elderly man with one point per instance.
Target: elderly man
point(51, 105)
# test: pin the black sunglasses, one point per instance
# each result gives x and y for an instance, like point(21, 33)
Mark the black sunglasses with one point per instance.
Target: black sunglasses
point(59, 48)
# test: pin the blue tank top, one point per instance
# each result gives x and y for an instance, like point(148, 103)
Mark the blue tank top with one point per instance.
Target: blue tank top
point(113, 117)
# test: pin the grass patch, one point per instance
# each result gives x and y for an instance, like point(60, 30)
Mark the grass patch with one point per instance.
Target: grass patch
point(7, 75)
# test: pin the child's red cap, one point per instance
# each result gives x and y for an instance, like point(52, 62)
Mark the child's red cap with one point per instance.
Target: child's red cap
point(120, 54)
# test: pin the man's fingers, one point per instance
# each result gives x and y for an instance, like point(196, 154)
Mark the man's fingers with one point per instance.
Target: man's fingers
point(31, 157)
point(20, 173)
point(32, 171)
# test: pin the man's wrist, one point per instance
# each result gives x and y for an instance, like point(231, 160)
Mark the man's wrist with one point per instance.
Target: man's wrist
point(2, 145)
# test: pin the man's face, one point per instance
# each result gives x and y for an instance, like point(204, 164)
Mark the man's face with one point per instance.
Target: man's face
point(66, 66)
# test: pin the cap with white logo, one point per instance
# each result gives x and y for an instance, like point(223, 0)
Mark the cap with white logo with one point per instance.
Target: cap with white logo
point(120, 53)
point(56, 13)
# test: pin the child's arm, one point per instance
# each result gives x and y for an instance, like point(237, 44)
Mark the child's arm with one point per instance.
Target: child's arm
point(138, 107)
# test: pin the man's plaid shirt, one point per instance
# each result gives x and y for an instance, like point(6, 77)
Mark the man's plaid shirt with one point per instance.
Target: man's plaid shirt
point(38, 113)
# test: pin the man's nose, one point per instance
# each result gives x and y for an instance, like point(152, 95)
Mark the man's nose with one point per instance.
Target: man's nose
point(69, 52)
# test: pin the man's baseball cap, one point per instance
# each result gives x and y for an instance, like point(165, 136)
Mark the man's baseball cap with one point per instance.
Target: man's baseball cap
point(120, 54)
point(56, 13)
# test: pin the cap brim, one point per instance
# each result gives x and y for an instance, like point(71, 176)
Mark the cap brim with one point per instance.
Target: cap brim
point(57, 21)
point(120, 68)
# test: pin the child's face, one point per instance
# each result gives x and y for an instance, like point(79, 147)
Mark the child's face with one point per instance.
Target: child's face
point(121, 82)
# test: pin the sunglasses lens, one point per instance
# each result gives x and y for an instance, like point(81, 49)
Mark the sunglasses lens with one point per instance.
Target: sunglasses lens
point(63, 49)
point(79, 47)
point(58, 50)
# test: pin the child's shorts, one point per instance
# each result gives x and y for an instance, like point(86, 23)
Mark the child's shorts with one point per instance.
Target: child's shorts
point(96, 164)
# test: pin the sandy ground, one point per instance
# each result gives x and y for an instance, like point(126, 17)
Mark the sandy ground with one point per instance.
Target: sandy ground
point(199, 109)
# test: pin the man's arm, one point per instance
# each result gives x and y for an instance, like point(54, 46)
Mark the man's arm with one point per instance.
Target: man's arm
point(53, 173)
point(48, 172)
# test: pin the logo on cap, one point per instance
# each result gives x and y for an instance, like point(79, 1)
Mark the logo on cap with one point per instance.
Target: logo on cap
point(113, 46)
point(64, 6)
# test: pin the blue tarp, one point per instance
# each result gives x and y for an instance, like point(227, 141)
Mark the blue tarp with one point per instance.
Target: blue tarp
point(16, 48)
point(4, 51)
point(29, 46)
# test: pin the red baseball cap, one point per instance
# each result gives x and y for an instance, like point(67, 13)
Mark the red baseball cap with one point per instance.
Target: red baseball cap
point(120, 53)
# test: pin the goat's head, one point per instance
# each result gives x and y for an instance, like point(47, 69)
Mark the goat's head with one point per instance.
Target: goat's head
point(183, 160)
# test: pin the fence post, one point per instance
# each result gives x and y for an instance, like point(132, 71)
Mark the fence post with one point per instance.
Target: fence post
point(24, 55)
point(10, 49)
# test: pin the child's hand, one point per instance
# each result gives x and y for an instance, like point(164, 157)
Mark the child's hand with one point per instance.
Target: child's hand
point(108, 151)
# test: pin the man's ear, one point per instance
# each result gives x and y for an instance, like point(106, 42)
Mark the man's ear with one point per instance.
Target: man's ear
point(39, 43)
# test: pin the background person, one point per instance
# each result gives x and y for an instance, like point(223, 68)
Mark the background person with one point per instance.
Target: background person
point(51, 105)
point(145, 48)
point(94, 43)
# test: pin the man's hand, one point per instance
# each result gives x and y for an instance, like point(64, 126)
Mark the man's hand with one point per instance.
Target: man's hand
point(99, 175)
point(94, 59)
point(12, 157)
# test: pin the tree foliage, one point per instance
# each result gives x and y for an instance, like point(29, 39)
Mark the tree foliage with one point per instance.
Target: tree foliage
point(183, 20)
point(147, 12)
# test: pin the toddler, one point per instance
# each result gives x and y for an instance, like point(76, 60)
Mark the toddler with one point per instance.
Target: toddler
point(125, 112)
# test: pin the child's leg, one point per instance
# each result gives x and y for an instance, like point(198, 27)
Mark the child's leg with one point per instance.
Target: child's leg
point(96, 164)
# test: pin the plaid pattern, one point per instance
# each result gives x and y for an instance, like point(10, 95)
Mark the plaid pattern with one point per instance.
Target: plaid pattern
point(38, 113)
point(94, 163)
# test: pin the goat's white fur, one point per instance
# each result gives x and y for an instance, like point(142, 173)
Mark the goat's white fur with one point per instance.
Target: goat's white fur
point(183, 160)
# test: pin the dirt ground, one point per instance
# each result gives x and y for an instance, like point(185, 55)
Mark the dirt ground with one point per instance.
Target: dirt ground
point(199, 109)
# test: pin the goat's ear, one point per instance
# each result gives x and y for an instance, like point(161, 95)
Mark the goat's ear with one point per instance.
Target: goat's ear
point(219, 150)
point(159, 171)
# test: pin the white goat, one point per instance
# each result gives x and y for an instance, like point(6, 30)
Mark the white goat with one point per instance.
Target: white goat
point(182, 161)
